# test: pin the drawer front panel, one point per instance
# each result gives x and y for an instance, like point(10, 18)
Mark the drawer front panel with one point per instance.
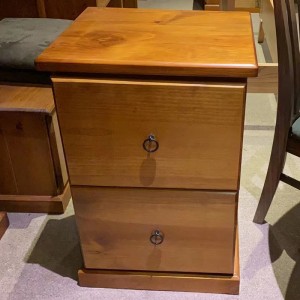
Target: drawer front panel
point(116, 225)
point(198, 127)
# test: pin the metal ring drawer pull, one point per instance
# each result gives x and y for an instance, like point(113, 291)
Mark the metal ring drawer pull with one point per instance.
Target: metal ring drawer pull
point(150, 144)
point(157, 237)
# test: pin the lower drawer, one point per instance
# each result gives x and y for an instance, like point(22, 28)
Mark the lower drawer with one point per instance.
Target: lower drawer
point(156, 229)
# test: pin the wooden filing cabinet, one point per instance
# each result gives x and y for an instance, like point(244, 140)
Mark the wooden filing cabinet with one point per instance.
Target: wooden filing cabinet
point(152, 131)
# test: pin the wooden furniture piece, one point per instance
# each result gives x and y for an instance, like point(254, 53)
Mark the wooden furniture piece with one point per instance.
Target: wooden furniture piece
point(287, 130)
point(241, 5)
point(151, 110)
point(56, 9)
point(4, 223)
point(267, 79)
point(117, 3)
point(31, 155)
point(267, 28)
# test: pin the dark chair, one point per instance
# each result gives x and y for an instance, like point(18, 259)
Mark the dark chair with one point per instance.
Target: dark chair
point(287, 130)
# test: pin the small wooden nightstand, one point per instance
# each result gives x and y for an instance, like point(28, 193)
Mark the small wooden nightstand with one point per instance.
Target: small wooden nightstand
point(151, 110)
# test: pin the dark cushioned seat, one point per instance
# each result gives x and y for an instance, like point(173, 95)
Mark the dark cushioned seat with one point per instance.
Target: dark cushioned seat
point(296, 128)
point(21, 41)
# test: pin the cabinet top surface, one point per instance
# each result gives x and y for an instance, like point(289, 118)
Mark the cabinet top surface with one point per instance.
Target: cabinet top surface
point(155, 42)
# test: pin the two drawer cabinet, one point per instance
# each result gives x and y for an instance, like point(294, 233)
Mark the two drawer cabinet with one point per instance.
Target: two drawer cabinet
point(152, 129)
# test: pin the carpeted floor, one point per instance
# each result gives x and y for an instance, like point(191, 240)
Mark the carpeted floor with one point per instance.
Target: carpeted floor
point(40, 254)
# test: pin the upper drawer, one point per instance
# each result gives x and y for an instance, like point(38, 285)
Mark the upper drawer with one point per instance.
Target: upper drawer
point(198, 127)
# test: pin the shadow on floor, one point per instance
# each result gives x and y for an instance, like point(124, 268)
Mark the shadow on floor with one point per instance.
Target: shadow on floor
point(58, 249)
point(284, 235)
point(22, 220)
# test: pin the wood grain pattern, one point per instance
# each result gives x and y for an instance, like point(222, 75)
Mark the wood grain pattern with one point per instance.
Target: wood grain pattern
point(164, 281)
point(104, 124)
point(26, 139)
point(155, 42)
point(115, 227)
point(36, 204)
point(4, 223)
point(8, 181)
point(26, 98)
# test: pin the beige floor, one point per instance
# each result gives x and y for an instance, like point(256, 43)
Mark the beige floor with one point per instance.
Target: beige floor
point(40, 254)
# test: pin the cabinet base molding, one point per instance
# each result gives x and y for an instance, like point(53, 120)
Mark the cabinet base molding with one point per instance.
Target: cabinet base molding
point(164, 281)
point(3, 223)
point(36, 204)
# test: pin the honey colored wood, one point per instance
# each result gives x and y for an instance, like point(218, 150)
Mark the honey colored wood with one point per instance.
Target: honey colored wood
point(26, 98)
point(105, 122)
point(267, 80)
point(36, 204)
point(4, 223)
point(154, 42)
point(252, 10)
point(212, 7)
point(115, 226)
point(164, 281)
point(245, 3)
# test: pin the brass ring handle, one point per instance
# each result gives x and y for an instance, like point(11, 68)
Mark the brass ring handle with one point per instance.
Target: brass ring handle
point(157, 237)
point(150, 144)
